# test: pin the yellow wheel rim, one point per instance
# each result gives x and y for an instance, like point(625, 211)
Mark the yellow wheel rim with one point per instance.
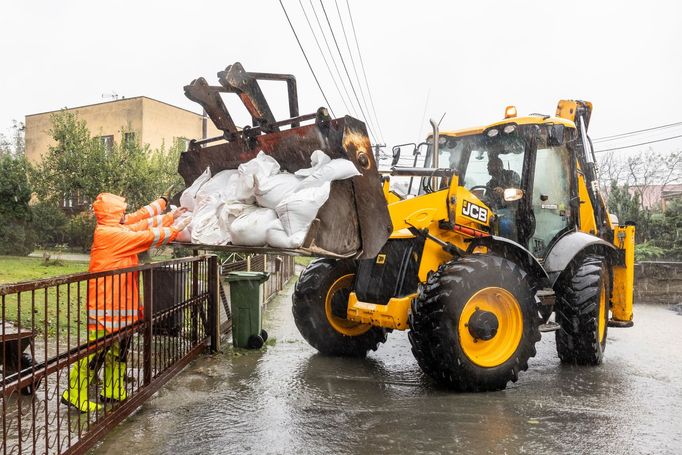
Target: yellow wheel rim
point(603, 313)
point(343, 326)
point(498, 349)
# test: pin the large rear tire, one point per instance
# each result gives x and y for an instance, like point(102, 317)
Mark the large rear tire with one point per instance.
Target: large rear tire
point(582, 310)
point(455, 339)
point(326, 283)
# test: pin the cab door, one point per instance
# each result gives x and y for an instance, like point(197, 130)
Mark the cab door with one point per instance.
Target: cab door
point(551, 196)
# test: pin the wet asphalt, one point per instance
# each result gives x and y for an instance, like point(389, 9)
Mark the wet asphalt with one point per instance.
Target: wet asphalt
point(288, 399)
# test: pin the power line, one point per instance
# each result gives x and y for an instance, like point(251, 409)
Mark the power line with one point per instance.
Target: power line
point(306, 58)
point(338, 49)
point(355, 71)
point(362, 66)
point(331, 55)
point(630, 133)
point(637, 145)
point(324, 57)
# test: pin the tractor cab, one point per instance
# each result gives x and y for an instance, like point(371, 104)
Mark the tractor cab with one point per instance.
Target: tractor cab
point(521, 169)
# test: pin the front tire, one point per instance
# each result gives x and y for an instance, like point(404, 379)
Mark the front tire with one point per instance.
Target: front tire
point(324, 284)
point(582, 311)
point(450, 342)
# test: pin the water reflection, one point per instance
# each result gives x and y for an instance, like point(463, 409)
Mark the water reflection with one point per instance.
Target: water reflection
point(289, 399)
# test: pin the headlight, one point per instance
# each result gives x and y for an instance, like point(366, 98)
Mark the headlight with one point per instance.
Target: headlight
point(492, 133)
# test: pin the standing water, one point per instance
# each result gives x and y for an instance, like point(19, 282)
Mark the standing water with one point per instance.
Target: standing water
point(287, 398)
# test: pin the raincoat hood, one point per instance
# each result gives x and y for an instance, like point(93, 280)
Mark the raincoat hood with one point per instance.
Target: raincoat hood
point(109, 208)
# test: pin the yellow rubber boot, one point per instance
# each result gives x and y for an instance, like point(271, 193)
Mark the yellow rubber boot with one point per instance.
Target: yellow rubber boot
point(114, 381)
point(76, 395)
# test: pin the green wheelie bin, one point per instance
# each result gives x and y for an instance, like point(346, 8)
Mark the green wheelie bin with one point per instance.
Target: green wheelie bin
point(247, 330)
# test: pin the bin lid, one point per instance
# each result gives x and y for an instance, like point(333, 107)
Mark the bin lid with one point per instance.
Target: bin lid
point(247, 276)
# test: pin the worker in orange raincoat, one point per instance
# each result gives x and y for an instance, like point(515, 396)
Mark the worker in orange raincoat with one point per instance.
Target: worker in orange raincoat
point(113, 300)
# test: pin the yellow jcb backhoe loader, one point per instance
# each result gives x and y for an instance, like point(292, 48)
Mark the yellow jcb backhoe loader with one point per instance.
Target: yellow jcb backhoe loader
point(506, 228)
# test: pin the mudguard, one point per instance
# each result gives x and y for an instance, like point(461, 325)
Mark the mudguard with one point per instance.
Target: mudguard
point(509, 249)
point(571, 245)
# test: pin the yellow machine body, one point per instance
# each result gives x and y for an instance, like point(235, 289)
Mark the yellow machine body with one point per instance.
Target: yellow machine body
point(440, 213)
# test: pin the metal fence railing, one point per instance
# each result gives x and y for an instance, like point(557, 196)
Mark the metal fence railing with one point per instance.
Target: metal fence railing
point(280, 267)
point(44, 334)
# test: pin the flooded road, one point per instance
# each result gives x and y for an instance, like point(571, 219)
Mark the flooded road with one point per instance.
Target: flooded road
point(288, 399)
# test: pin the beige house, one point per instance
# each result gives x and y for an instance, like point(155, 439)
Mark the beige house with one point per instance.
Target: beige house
point(140, 118)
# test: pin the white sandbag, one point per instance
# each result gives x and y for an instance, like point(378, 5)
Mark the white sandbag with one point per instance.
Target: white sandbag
point(229, 212)
point(205, 225)
point(262, 165)
point(239, 188)
point(217, 184)
point(270, 190)
point(250, 228)
point(298, 210)
point(188, 196)
point(277, 237)
point(317, 159)
point(338, 169)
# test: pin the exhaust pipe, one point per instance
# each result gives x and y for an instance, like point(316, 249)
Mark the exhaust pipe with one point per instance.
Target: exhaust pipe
point(436, 152)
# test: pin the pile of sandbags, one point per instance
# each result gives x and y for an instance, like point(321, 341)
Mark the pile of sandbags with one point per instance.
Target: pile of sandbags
point(258, 204)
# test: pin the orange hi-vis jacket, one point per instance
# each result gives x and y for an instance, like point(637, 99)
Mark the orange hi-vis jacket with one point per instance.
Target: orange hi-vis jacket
point(114, 301)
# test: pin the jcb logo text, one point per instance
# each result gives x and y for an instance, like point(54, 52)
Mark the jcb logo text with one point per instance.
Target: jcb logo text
point(474, 211)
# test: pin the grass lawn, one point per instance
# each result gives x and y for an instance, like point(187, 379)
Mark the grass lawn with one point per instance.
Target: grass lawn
point(34, 308)
point(14, 269)
point(303, 260)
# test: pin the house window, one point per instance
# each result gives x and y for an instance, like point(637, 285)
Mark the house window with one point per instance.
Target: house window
point(107, 142)
point(75, 200)
point(129, 139)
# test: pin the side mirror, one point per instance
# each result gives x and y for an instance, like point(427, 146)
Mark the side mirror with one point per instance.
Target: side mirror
point(396, 156)
point(512, 194)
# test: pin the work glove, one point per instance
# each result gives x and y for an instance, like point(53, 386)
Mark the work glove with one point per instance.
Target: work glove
point(167, 194)
point(177, 213)
point(182, 224)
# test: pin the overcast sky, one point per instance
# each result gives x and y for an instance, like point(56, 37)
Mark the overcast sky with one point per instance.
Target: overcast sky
point(468, 59)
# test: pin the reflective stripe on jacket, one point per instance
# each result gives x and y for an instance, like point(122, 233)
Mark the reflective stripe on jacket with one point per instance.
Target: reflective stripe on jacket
point(148, 211)
point(114, 301)
point(154, 221)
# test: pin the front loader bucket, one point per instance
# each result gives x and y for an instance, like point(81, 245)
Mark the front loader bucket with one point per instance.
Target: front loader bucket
point(354, 222)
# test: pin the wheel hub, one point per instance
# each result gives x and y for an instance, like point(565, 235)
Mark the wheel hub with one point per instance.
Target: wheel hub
point(339, 303)
point(483, 325)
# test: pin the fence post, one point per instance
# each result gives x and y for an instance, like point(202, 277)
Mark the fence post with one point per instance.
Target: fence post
point(213, 307)
point(194, 330)
point(248, 263)
point(148, 288)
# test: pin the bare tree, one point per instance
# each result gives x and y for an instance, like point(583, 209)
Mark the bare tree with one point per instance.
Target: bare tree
point(13, 145)
point(643, 172)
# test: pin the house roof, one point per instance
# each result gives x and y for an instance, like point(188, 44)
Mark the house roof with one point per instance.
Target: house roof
point(115, 101)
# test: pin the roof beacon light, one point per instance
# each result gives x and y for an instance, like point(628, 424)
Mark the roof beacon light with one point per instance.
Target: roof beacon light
point(510, 111)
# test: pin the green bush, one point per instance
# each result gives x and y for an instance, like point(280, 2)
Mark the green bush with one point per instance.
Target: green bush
point(49, 224)
point(648, 252)
point(16, 236)
point(79, 230)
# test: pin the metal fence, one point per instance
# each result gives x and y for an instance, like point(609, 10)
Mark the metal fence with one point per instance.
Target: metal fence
point(44, 333)
point(280, 267)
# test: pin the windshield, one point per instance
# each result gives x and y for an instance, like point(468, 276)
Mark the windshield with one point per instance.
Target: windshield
point(483, 162)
